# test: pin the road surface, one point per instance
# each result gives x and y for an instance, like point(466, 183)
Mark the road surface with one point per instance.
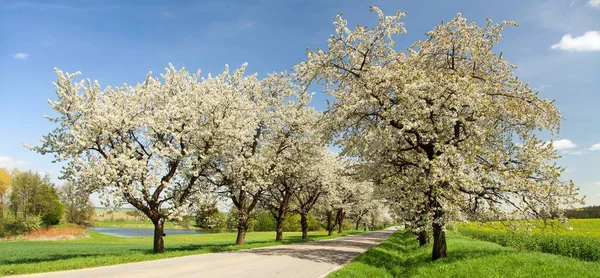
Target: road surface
point(310, 260)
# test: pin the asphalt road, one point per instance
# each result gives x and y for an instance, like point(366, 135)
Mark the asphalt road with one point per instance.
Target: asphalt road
point(313, 259)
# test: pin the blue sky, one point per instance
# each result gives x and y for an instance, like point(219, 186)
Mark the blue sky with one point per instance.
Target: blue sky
point(556, 49)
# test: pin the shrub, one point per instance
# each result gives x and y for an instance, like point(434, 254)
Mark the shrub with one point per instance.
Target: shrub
point(53, 216)
point(15, 227)
point(265, 222)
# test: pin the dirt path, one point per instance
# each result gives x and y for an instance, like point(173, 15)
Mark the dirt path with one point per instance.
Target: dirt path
point(314, 259)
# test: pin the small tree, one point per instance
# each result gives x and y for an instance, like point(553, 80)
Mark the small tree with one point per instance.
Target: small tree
point(78, 206)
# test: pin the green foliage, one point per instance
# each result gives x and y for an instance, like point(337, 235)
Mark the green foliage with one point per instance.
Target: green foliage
point(205, 217)
point(33, 195)
point(401, 256)
point(585, 212)
point(53, 216)
point(583, 248)
point(14, 227)
point(265, 222)
point(292, 223)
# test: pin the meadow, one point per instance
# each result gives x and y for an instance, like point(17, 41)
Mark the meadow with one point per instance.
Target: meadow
point(26, 256)
point(401, 256)
point(579, 239)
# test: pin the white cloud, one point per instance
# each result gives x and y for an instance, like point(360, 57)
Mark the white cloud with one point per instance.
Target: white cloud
point(20, 55)
point(595, 147)
point(597, 183)
point(590, 41)
point(594, 3)
point(9, 163)
point(563, 144)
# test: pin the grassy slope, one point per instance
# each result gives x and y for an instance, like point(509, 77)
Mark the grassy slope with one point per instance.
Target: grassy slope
point(400, 256)
point(18, 257)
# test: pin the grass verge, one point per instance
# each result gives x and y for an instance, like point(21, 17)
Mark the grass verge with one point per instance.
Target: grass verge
point(400, 256)
point(20, 256)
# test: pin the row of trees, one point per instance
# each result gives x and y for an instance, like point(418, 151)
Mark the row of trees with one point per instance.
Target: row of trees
point(442, 132)
point(173, 146)
point(584, 212)
point(262, 220)
point(446, 130)
point(28, 199)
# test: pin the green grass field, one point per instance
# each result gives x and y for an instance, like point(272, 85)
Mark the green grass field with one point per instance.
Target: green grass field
point(18, 257)
point(400, 256)
point(580, 239)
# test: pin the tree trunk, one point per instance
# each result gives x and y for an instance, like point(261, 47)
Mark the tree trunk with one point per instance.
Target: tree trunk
point(358, 223)
point(159, 243)
point(340, 220)
point(304, 224)
point(242, 229)
point(439, 242)
point(279, 230)
point(330, 223)
point(423, 237)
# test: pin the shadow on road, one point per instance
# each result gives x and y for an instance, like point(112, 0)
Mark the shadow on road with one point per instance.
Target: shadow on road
point(335, 251)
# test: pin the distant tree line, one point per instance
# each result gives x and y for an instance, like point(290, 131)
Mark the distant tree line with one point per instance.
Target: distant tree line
point(584, 212)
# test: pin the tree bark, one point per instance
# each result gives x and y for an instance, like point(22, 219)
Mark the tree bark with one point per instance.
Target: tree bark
point(340, 220)
point(330, 223)
point(423, 237)
point(439, 242)
point(159, 243)
point(304, 224)
point(242, 228)
point(279, 230)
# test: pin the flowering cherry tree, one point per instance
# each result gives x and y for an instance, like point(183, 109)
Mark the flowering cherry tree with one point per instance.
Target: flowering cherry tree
point(344, 194)
point(315, 182)
point(449, 115)
point(151, 145)
point(283, 129)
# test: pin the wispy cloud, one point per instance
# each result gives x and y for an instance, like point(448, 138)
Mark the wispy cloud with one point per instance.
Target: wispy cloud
point(594, 3)
point(10, 163)
point(20, 55)
point(595, 147)
point(563, 15)
point(590, 41)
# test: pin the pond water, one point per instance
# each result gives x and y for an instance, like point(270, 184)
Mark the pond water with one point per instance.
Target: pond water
point(131, 232)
